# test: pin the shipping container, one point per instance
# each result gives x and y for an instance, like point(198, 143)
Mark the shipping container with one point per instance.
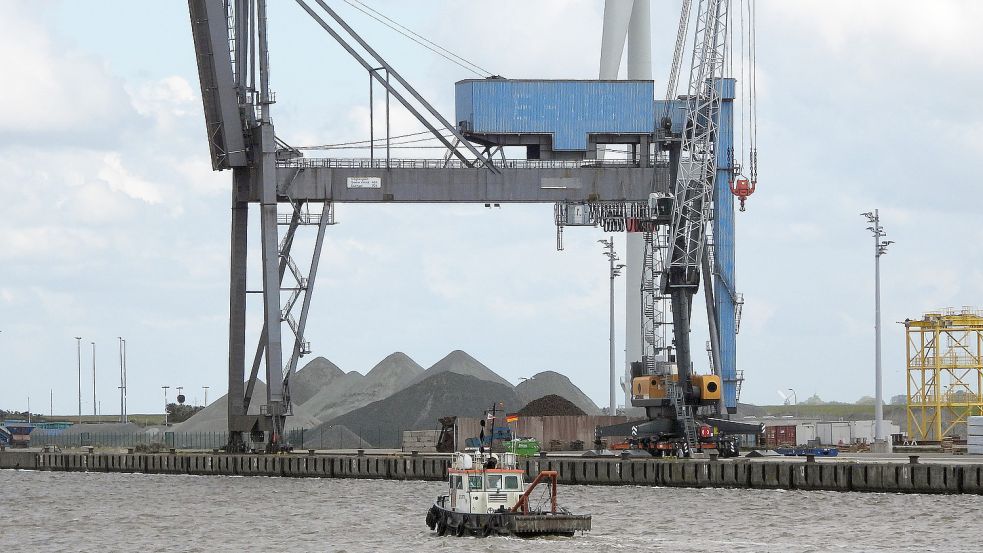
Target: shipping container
point(776, 436)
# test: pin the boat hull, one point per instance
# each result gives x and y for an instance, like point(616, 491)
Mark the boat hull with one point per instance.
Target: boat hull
point(447, 522)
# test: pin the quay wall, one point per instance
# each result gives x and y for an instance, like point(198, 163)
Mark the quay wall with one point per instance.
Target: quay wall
point(833, 475)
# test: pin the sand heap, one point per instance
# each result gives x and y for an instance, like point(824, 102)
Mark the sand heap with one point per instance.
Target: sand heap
point(550, 406)
point(554, 383)
point(419, 406)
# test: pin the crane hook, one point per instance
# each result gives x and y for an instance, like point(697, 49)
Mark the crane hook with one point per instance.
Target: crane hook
point(742, 189)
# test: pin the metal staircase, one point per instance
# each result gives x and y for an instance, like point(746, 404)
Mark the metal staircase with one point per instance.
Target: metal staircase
point(653, 302)
point(683, 413)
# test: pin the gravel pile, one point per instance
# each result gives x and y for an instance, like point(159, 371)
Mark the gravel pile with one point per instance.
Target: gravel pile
point(460, 362)
point(333, 437)
point(312, 378)
point(215, 416)
point(551, 406)
point(419, 406)
point(553, 383)
point(352, 390)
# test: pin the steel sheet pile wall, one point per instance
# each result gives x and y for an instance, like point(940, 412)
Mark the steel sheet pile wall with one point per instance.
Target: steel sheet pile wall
point(825, 475)
point(568, 110)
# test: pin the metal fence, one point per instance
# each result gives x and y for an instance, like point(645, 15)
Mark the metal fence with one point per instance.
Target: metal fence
point(176, 440)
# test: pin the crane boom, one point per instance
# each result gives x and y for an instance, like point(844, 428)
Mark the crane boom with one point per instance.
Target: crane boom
point(693, 190)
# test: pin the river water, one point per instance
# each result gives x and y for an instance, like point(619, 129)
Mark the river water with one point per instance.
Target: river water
point(55, 511)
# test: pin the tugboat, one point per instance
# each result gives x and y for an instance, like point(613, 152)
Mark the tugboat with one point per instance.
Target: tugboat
point(487, 496)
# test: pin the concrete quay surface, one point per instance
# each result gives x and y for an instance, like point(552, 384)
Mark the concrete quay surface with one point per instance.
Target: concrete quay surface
point(878, 474)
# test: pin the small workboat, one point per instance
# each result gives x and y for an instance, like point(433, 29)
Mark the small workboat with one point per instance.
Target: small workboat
point(487, 496)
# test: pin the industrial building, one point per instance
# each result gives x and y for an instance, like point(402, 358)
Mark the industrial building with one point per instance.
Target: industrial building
point(781, 431)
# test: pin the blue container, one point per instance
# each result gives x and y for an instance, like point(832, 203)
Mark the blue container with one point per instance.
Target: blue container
point(567, 110)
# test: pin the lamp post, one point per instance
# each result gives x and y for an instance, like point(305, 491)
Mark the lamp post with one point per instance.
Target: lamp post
point(880, 248)
point(165, 403)
point(795, 400)
point(614, 271)
point(94, 404)
point(78, 349)
point(205, 388)
point(122, 412)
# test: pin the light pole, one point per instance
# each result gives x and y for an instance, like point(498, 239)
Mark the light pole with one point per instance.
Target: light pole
point(614, 271)
point(880, 248)
point(795, 399)
point(165, 403)
point(78, 349)
point(205, 388)
point(94, 378)
point(122, 413)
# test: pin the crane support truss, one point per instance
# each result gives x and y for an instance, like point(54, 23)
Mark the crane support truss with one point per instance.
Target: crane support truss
point(944, 352)
point(693, 192)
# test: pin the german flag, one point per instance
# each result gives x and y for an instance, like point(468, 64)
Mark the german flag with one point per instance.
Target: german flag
point(511, 417)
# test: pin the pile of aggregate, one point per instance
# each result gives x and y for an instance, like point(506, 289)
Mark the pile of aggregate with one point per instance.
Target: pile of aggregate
point(419, 406)
point(461, 362)
point(551, 406)
point(553, 383)
point(350, 391)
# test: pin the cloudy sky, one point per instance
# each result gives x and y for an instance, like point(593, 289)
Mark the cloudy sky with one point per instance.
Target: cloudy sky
point(112, 223)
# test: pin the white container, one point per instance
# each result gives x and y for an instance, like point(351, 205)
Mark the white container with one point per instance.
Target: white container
point(974, 440)
point(974, 449)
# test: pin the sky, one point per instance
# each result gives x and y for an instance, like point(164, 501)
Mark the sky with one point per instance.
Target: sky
point(113, 223)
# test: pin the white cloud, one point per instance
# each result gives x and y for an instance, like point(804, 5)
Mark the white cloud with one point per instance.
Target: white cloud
point(50, 86)
point(119, 178)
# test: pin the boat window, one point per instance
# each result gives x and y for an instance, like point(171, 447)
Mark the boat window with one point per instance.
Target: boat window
point(474, 482)
point(494, 481)
point(512, 482)
point(460, 483)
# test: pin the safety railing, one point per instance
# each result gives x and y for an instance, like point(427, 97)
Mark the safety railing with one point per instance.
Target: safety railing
point(333, 163)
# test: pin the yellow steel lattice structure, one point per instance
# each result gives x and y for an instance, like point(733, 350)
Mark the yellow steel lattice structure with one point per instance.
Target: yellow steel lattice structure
point(945, 372)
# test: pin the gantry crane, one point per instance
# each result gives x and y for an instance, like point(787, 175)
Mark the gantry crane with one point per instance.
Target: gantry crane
point(671, 200)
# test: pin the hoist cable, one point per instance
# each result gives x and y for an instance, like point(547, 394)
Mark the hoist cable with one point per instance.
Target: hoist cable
point(419, 39)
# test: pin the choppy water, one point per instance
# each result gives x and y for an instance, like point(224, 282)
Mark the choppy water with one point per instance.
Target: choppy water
point(50, 511)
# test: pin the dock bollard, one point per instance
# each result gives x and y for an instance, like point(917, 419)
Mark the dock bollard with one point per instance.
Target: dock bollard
point(310, 452)
point(414, 453)
point(810, 458)
point(89, 449)
point(625, 455)
point(361, 453)
point(714, 456)
point(913, 459)
point(542, 454)
point(130, 450)
point(215, 451)
point(172, 451)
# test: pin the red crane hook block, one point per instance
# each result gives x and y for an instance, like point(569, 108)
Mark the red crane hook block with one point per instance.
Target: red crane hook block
point(742, 189)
